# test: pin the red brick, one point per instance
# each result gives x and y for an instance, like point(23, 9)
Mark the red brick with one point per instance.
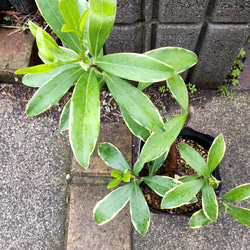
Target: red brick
point(83, 231)
point(120, 136)
point(16, 51)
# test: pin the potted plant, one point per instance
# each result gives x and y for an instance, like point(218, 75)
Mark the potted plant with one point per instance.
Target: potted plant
point(84, 26)
point(175, 191)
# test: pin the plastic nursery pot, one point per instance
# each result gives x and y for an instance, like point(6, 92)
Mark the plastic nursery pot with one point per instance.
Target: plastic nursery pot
point(203, 140)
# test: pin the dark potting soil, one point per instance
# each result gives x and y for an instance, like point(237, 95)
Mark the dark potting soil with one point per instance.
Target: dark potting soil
point(154, 200)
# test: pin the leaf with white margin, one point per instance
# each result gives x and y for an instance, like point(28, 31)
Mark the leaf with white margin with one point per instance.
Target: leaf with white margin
point(181, 194)
point(239, 193)
point(198, 219)
point(161, 184)
point(209, 202)
point(216, 152)
point(241, 214)
point(139, 210)
point(106, 209)
point(113, 157)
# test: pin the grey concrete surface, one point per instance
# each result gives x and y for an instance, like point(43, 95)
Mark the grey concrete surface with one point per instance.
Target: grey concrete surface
point(125, 38)
point(178, 35)
point(232, 119)
point(230, 11)
point(216, 30)
point(34, 161)
point(218, 38)
point(128, 11)
point(182, 11)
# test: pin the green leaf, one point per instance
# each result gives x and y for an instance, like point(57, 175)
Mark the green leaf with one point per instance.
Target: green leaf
point(187, 178)
point(138, 167)
point(101, 21)
point(214, 182)
point(156, 164)
point(241, 214)
point(84, 117)
point(101, 82)
point(83, 21)
point(136, 128)
point(142, 85)
point(216, 152)
point(158, 143)
point(181, 194)
point(113, 157)
point(51, 13)
point(194, 159)
point(69, 52)
point(178, 89)
point(193, 200)
point(37, 80)
point(52, 91)
point(198, 219)
point(130, 99)
point(38, 69)
point(161, 184)
point(70, 12)
point(126, 177)
point(139, 210)
point(114, 182)
point(178, 58)
point(47, 43)
point(82, 5)
point(116, 174)
point(42, 47)
point(64, 119)
point(239, 193)
point(136, 67)
point(209, 202)
point(106, 209)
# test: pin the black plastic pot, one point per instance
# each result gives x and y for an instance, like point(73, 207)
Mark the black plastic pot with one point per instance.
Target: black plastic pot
point(205, 141)
point(24, 6)
point(4, 5)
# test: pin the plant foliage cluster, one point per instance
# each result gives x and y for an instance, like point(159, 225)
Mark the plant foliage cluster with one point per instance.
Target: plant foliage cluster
point(84, 27)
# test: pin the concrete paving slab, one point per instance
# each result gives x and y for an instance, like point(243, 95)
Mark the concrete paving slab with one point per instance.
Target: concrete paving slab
point(84, 233)
point(116, 133)
point(35, 159)
point(231, 117)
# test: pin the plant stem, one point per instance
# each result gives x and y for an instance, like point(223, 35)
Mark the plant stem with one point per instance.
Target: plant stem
point(172, 156)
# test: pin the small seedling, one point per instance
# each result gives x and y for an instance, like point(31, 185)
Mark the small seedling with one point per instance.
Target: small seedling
point(58, 106)
point(242, 53)
point(241, 65)
point(162, 89)
point(224, 91)
point(6, 18)
point(191, 87)
point(235, 81)
point(235, 73)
